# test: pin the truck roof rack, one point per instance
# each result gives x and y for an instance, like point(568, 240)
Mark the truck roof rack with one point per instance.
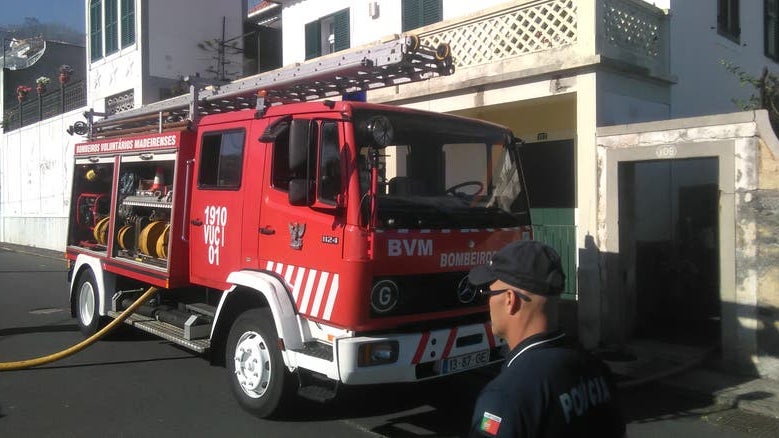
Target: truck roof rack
point(393, 62)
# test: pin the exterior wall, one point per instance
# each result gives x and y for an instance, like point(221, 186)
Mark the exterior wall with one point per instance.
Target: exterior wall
point(765, 203)
point(625, 99)
point(35, 167)
point(703, 85)
point(150, 65)
point(364, 29)
point(173, 30)
point(747, 149)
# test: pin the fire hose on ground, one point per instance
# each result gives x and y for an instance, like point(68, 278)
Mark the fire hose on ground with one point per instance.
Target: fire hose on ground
point(29, 363)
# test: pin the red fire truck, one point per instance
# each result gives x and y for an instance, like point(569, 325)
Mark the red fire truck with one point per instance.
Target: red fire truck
point(301, 242)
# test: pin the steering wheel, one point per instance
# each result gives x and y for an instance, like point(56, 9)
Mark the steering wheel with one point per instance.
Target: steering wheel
point(453, 190)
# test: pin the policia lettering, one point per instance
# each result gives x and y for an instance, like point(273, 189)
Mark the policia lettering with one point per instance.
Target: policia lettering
point(587, 394)
point(214, 231)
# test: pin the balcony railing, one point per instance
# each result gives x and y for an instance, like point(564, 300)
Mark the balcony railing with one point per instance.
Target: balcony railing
point(631, 31)
point(36, 108)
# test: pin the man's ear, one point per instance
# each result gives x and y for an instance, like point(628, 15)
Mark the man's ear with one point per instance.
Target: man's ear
point(513, 302)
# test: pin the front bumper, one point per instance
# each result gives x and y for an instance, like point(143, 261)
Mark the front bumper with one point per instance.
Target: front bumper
point(422, 356)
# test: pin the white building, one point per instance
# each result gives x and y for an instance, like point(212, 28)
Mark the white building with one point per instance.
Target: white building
point(555, 71)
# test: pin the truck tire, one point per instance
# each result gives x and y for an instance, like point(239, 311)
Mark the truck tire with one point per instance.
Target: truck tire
point(258, 377)
point(87, 303)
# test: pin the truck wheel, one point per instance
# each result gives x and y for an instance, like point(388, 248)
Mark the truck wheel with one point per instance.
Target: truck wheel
point(259, 379)
point(87, 304)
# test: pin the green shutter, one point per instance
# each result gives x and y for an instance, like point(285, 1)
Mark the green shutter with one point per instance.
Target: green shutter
point(312, 40)
point(418, 13)
point(432, 12)
point(341, 30)
point(128, 22)
point(96, 29)
point(111, 26)
point(410, 14)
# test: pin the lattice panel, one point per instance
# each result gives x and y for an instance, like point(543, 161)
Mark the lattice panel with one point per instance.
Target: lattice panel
point(120, 102)
point(518, 31)
point(631, 27)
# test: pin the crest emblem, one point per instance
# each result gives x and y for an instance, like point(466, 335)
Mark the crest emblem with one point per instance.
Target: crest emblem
point(296, 231)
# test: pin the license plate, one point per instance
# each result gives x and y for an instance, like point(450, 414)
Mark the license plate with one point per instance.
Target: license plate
point(465, 362)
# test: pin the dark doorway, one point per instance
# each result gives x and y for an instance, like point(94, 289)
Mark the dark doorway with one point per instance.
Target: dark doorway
point(669, 249)
point(550, 176)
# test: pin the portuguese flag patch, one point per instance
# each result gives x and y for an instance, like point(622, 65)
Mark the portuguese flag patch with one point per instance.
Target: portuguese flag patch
point(490, 423)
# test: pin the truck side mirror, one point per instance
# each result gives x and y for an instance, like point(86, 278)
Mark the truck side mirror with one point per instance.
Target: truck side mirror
point(301, 184)
point(301, 192)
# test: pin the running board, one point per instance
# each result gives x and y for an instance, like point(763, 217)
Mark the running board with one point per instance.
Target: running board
point(166, 331)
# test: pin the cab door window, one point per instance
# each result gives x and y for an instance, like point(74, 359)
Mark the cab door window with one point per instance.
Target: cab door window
point(329, 185)
point(221, 160)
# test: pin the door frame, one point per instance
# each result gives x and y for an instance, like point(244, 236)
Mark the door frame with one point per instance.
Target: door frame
point(616, 293)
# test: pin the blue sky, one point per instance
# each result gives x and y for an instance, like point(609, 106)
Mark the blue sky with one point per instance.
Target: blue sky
point(68, 12)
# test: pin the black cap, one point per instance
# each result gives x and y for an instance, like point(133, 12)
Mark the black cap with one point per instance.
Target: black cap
point(525, 264)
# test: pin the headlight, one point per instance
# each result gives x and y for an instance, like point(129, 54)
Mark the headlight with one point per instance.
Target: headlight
point(384, 296)
point(377, 353)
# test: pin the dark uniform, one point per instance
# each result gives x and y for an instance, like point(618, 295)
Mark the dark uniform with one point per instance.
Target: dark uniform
point(549, 389)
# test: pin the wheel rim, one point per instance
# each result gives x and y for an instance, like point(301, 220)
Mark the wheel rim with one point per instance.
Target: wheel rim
point(86, 303)
point(252, 364)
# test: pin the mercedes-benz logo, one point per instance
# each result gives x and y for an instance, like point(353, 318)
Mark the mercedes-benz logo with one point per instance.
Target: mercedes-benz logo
point(466, 293)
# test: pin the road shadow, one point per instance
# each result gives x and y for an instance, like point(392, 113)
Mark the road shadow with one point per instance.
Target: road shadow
point(441, 407)
point(12, 331)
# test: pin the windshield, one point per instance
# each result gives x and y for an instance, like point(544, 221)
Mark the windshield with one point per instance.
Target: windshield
point(438, 171)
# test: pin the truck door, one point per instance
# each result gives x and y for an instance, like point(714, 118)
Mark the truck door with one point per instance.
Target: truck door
point(218, 189)
point(302, 241)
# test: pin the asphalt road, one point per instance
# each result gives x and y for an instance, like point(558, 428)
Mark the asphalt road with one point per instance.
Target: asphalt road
point(136, 385)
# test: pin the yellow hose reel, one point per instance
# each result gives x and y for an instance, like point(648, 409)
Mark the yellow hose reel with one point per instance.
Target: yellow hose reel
point(153, 240)
point(101, 230)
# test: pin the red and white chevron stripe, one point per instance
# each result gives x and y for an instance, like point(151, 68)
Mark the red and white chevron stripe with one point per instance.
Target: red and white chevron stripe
point(314, 291)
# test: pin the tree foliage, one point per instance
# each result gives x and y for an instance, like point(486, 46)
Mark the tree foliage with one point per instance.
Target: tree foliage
point(765, 95)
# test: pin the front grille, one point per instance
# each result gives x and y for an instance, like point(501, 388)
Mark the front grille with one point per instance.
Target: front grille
point(428, 293)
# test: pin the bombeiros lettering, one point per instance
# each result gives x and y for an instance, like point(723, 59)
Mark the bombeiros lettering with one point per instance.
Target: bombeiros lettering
point(469, 258)
point(124, 145)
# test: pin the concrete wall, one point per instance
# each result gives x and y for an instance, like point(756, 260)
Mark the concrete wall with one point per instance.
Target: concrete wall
point(35, 166)
point(747, 149)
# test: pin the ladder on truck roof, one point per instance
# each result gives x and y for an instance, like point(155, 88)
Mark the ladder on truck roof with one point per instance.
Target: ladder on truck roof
point(393, 62)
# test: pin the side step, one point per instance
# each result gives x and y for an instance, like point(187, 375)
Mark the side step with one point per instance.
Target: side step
point(315, 388)
point(164, 330)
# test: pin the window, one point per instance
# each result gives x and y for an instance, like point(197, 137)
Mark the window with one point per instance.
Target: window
point(128, 23)
point(221, 160)
point(111, 27)
point(418, 13)
point(328, 34)
point(728, 19)
point(771, 29)
point(329, 163)
point(95, 29)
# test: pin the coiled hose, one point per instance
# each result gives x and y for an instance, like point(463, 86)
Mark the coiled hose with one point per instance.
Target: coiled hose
point(29, 363)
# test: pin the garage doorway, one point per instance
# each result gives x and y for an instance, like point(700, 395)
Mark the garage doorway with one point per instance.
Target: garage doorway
point(669, 247)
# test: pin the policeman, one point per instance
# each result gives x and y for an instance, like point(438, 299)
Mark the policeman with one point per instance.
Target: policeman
point(546, 387)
